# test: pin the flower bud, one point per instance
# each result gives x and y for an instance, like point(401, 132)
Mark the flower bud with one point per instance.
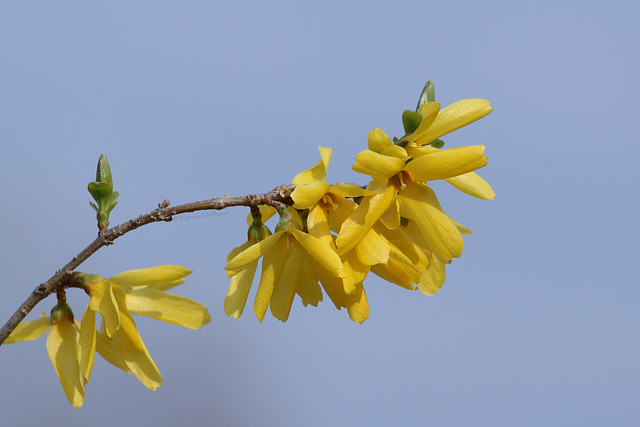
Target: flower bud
point(60, 311)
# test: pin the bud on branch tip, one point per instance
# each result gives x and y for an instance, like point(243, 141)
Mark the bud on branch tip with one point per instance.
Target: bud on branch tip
point(102, 192)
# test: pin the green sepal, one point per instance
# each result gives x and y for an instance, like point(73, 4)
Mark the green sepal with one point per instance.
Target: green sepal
point(411, 120)
point(437, 143)
point(428, 95)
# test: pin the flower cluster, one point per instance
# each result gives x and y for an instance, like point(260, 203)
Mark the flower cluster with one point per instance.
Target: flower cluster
point(394, 227)
point(71, 345)
point(328, 238)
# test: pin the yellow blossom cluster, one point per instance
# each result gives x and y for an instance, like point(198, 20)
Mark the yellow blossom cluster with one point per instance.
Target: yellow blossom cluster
point(337, 234)
point(71, 345)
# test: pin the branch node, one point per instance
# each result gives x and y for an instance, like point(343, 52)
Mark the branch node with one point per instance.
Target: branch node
point(164, 204)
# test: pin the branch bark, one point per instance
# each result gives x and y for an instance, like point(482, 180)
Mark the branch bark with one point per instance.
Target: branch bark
point(278, 196)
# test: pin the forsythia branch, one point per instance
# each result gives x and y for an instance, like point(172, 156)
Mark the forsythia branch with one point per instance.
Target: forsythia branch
point(277, 197)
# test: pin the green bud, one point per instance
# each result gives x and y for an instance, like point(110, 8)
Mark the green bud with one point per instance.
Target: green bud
point(438, 143)
point(82, 280)
point(411, 120)
point(258, 233)
point(428, 95)
point(61, 311)
point(286, 221)
point(102, 192)
point(103, 172)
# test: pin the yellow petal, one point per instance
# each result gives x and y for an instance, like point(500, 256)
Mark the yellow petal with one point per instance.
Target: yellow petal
point(286, 285)
point(108, 350)
point(308, 289)
point(140, 363)
point(307, 195)
point(409, 243)
point(128, 329)
point(447, 163)
point(167, 307)
point(168, 285)
point(349, 190)
point(372, 249)
point(158, 275)
point(418, 202)
point(395, 151)
point(235, 251)
point(29, 331)
point(429, 112)
point(357, 305)
point(340, 210)
point(318, 225)
point(461, 228)
point(319, 251)
point(377, 165)
point(87, 342)
point(362, 219)
point(316, 173)
point(354, 272)
point(356, 302)
point(239, 291)
point(472, 184)
point(377, 140)
point(332, 285)
point(272, 265)
point(455, 116)
point(247, 257)
point(399, 269)
point(432, 279)
point(104, 302)
point(378, 186)
point(62, 347)
point(391, 217)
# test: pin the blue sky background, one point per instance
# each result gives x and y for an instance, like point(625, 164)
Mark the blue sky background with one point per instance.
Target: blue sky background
point(537, 323)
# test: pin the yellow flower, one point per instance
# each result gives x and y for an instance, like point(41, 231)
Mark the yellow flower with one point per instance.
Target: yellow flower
point(398, 180)
point(134, 292)
point(283, 257)
point(62, 347)
point(436, 123)
point(328, 208)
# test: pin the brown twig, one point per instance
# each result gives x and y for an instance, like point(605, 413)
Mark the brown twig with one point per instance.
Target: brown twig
point(60, 279)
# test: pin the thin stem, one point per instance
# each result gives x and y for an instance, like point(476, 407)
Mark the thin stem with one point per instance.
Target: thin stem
point(61, 278)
